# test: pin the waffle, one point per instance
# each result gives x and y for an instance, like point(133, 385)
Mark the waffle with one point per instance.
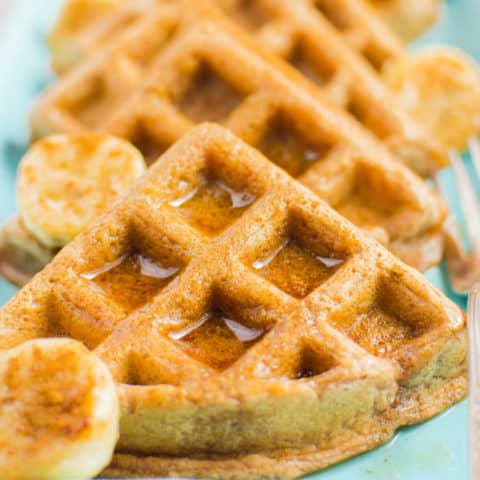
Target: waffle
point(210, 71)
point(85, 25)
point(251, 330)
point(292, 30)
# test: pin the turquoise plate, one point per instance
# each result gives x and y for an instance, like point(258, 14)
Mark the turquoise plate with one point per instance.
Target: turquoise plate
point(435, 450)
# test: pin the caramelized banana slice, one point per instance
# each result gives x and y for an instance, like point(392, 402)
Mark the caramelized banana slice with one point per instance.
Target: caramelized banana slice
point(408, 18)
point(59, 412)
point(440, 86)
point(65, 182)
point(66, 38)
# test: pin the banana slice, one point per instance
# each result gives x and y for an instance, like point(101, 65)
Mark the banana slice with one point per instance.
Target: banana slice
point(65, 39)
point(440, 86)
point(408, 18)
point(66, 181)
point(59, 412)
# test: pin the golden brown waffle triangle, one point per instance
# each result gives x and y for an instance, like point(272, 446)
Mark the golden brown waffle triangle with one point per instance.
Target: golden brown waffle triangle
point(208, 70)
point(253, 332)
point(298, 31)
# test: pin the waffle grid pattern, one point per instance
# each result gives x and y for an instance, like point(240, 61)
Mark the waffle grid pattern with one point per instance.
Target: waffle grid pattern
point(299, 32)
point(359, 44)
point(354, 20)
point(206, 71)
point(360, 26)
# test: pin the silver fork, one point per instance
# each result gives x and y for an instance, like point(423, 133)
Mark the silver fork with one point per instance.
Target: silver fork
point(464, 275)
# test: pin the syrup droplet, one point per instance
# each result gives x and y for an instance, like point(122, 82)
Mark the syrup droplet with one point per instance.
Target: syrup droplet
point(106, 268)
point(329, 262)
point(243, 333)
point(259, 264)
point(180, 201)
point(149, 268)
point(239, 199)
point(189, 328)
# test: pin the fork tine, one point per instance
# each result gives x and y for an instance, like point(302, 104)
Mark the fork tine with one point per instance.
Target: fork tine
point(474, 146)
point(453, 238)
point(473, 322)
point(468, 200)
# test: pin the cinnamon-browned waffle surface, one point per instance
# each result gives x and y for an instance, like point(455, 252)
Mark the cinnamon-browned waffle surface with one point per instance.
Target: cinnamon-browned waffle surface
point(252, 331)
point(206, 69)
point(298, 32)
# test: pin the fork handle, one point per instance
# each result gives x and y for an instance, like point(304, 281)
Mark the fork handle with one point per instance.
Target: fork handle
point(473, 325)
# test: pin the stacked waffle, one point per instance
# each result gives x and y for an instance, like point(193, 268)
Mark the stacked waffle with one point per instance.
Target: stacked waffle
point(251, 330)
point(209, 70)
point(296, 31)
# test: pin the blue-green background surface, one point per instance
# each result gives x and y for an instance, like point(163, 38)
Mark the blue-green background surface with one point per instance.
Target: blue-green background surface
point(435, 450)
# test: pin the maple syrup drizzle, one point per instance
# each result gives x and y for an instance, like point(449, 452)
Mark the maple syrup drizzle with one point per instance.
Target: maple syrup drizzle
point(105, 269)
point(241, 332)
point(149, 268)
point(178, 335)
point(238, 199)
point(259, 264)
point(329, 262)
